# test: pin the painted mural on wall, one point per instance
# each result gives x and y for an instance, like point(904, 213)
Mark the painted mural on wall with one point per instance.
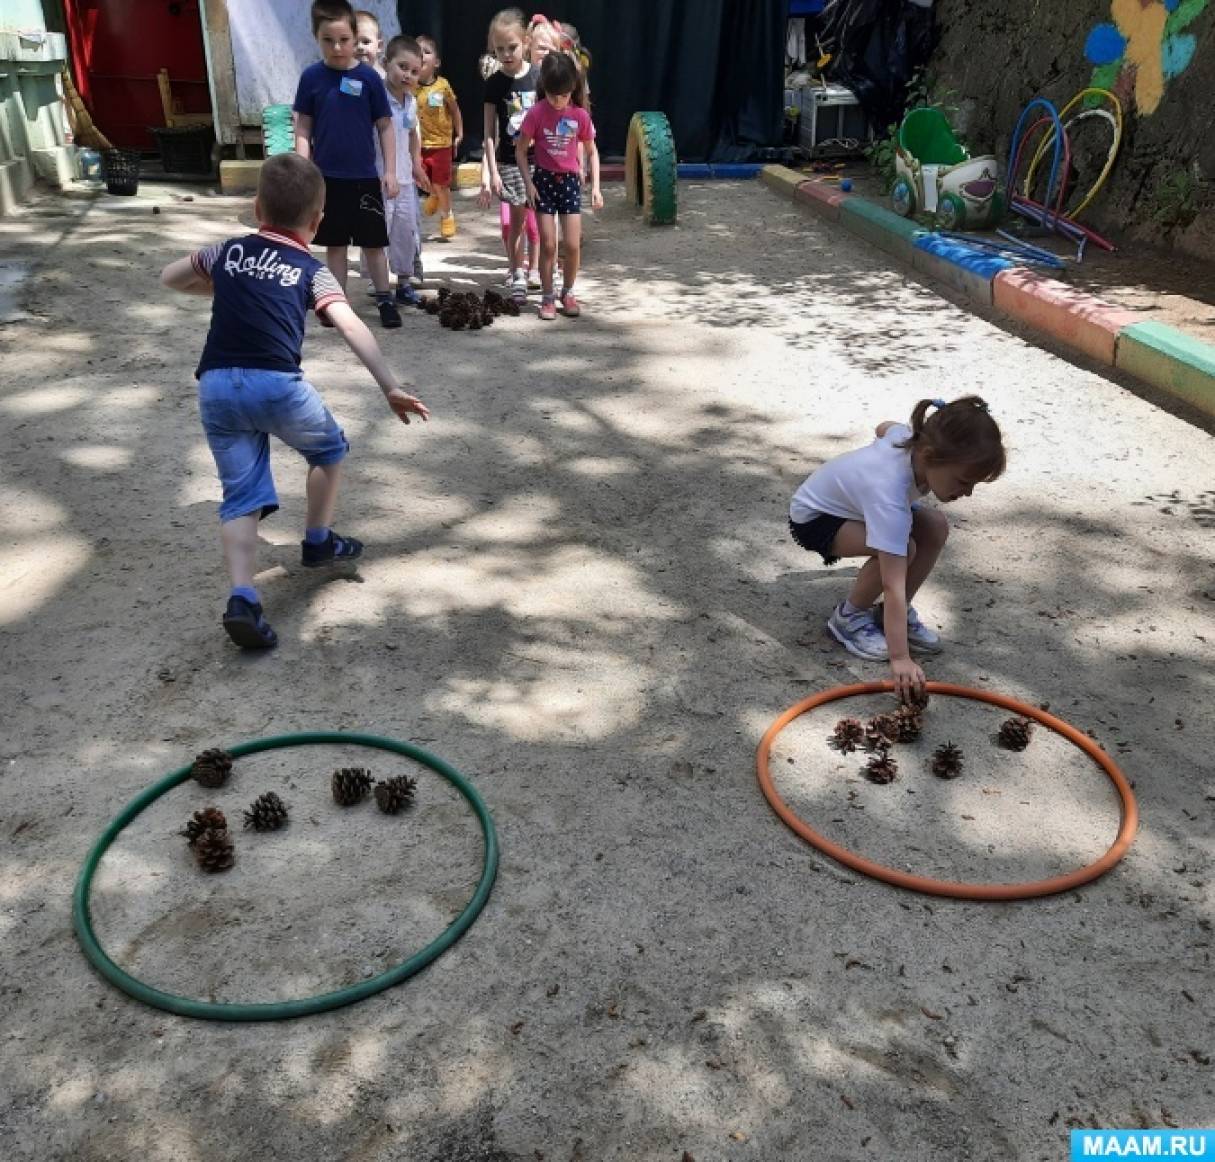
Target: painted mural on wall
point(1144, 47)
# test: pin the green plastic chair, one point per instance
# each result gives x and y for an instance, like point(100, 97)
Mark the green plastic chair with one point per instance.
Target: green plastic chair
point(926, 135)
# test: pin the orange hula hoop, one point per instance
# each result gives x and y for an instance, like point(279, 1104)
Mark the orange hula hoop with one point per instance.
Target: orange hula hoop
point(954, 889)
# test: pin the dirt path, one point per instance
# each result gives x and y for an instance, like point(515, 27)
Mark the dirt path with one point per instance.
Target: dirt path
point(579, 590)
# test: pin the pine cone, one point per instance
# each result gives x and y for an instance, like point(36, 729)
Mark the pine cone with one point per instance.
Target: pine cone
point(212, 767)
point(350, 785)
point(907, 724)
point(881, 768)
point(880, 733)
point(846, 736)
point(444, 294)
point(445, 317)
point(918, 701)
point(268, 813)
point(1014, 733)
point(394, 794)
point(214, 851)
point(208, 819)
point(947, 761)
point(512, 308)
point(432, 306)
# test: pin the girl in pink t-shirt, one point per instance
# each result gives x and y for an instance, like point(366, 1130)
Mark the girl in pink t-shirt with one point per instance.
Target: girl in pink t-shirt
point(556, 124)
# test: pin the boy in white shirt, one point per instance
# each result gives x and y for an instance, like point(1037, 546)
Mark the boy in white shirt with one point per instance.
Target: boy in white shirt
point(403, 64)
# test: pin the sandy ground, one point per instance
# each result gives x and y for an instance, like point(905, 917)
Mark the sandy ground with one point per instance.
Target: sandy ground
point(579, 590)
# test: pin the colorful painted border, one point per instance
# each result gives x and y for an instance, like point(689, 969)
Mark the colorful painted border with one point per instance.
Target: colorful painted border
point(1153, 352)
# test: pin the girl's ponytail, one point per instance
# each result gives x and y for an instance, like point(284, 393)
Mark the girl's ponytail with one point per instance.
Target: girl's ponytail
point(959, 432)
point(918, 416)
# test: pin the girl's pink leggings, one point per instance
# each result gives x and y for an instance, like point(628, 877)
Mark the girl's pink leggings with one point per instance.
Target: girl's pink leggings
point(533, 231)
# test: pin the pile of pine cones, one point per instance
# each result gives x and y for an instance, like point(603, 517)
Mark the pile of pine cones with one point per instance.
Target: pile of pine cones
point(463, 310)
point(351, 785)
point(207, 832)
point(879, 734)
point(876, 737)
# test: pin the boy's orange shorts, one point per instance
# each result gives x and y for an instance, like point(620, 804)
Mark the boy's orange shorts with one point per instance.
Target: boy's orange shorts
point(437, 164)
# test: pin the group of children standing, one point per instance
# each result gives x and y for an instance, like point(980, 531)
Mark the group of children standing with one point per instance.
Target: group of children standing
point(381, 123)
point(370, 160)
point(537, 112)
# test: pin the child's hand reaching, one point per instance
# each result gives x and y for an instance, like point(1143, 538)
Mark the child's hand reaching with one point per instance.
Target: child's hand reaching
point(391, 186)
point(421, 178)
point(596, 199)
point(908, 678)
point(405, 405)
point(529, 186)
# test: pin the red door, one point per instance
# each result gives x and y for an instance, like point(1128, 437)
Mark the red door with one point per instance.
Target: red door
point(118, 48)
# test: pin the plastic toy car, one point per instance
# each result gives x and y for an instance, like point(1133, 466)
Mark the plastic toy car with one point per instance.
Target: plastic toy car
point(935, 173)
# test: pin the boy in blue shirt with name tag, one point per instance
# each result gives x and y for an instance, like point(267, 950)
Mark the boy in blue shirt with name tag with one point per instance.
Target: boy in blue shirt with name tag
point(341, 105)
point(250, 386)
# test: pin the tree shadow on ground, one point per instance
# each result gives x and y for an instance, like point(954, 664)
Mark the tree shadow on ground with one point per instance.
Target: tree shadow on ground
point(581, 592)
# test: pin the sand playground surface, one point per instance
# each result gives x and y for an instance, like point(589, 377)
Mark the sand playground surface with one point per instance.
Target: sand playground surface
point(579, 589)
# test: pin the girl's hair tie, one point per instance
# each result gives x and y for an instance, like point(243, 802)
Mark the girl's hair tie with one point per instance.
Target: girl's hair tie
point(939, 403)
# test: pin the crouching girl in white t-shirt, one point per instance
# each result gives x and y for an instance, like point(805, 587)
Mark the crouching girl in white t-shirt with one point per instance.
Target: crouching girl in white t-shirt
point(864, 504)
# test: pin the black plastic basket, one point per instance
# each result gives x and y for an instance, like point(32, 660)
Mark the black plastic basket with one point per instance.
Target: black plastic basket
point(120, 171)
point(185, 148)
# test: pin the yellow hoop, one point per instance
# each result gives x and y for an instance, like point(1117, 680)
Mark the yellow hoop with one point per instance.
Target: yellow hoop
point(1049, 139)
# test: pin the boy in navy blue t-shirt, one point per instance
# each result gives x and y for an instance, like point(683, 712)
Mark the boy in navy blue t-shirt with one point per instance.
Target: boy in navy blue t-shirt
point(340, 105)
point(250, 386)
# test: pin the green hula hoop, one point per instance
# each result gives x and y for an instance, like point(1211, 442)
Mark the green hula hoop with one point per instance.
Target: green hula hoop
point(282, 1010)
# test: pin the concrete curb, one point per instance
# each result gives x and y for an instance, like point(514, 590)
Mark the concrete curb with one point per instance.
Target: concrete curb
point(1153, 352)
point(1061, 311)
point(1170, 360)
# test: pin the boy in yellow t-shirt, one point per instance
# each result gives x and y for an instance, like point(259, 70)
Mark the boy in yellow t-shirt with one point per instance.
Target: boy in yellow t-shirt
point(442, 131)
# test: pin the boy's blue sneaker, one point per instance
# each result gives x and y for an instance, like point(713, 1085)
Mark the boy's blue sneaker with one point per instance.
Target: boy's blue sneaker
point(247, 626)
point(859, 634)
point(330, 551)
point(406, 296)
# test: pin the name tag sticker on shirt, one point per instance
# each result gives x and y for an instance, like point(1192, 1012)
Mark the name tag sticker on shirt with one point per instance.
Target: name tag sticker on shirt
point(351, 86)
point(434, 100)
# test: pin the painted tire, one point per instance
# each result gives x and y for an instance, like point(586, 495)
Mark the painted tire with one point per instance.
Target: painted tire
point(903, 198)
point(278, 130)
point(951, 212)
point(650, 168)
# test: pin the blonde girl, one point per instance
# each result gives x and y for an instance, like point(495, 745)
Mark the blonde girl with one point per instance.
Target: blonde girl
point(509, 94)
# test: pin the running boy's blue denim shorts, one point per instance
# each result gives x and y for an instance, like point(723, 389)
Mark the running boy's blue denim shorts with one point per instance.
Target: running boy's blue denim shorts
point(241, 409)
